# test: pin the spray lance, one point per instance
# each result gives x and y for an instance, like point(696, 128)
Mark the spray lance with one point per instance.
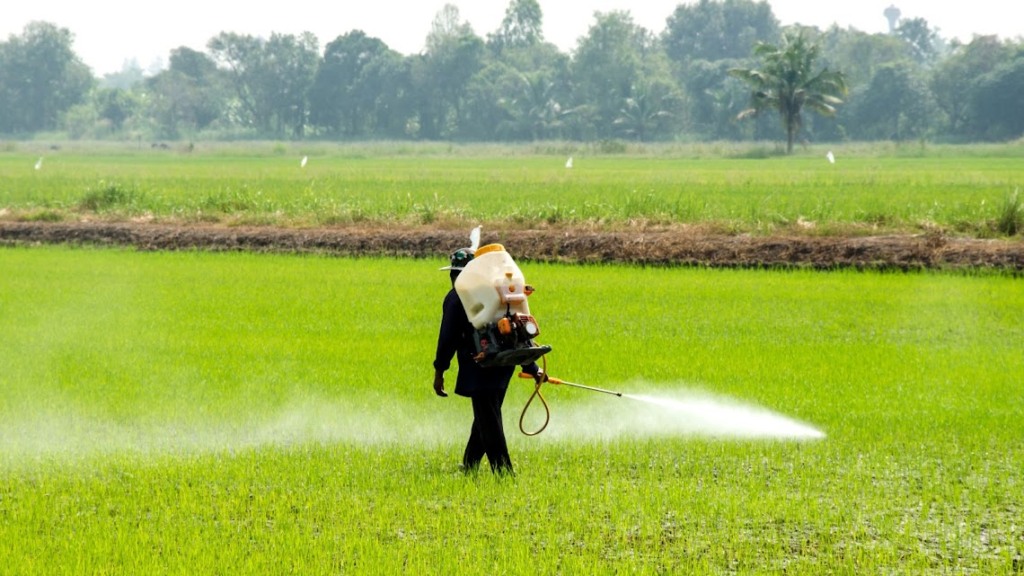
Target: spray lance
point(547, 409)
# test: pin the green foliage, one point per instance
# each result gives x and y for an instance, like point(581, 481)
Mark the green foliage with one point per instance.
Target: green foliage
point(356, 74)
point(896, 105)
point(612, 60)
point(1011, 215)
point(40, 78)
point(956, 78)
point(271, 77)
point(713, 31)
point(45, 215)
point(272, 413)
point(109, 196)
point(619, 81)
point(522, 27)
point(192, 96)
point(998, 99)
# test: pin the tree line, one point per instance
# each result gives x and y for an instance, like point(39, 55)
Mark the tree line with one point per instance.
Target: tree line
point(701, 78)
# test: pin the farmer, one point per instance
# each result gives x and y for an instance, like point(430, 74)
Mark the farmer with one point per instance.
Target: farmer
point(486, 387)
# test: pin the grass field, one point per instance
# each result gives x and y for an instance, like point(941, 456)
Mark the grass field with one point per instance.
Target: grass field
point(959, 190)
point(231, 413)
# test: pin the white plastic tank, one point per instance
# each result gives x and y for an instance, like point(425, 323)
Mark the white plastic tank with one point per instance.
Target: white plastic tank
point(490, 285)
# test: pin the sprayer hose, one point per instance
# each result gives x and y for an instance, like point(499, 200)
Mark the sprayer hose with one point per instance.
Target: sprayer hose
point(547, 412)
point(547, 409)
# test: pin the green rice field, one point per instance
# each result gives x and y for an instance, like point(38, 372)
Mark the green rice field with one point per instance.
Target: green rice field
point(957, 190)
point(213, 413)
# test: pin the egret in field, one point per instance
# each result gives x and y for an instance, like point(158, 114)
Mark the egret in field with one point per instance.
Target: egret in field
point(39, 163)
point(831, 157)
point(304, 160)
point(568, 163)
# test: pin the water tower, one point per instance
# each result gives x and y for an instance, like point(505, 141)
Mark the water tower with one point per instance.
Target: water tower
point(892, 14)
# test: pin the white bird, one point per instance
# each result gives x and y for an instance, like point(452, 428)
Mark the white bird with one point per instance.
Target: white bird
point(568, 163)
point(39, 163)
point(304, 160)
point(831, 158)
point(474, 239)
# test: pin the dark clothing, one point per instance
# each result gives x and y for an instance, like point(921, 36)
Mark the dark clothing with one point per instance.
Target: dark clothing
point(456, 339)
point(485, 386)
point(487, 436)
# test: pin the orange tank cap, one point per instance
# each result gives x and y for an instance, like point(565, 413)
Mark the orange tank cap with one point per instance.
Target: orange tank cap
point(488, 248)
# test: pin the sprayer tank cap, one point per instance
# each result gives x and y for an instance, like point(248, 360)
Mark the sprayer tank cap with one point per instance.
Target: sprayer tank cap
point(488, 248)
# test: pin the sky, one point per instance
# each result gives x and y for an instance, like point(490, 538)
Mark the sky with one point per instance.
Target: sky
point(109, 33)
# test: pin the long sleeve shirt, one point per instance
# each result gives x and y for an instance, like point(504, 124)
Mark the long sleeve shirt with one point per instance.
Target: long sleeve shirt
point(455, 339)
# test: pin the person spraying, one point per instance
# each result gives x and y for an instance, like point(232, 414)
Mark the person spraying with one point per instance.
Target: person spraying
point(486, 326)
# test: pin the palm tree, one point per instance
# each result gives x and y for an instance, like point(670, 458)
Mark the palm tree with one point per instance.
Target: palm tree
point(645, 112)
point(788, 82)
point(534, 109)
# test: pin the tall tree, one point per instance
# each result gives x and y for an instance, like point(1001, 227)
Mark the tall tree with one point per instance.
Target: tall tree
point(895, 105)
point(194, 65)
point(609, 61)
point(351, 79)
point(115, 106)
point(718, 29)
point(522, 27)
point(924, 41)
point(955, 79)
point(714, 99)
point(187, 97)
point(648, 112)
point(486, 113)
point(523, 93)
point(41, 77)
point(271, 77)
point(291, 65)
point(788, 81)
point(509, 104)
point(454, 54)
point(997, 103)
point(859, 54)
point(701, 39)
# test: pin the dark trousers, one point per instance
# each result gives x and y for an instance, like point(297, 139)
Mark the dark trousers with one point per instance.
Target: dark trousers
point(488, 434)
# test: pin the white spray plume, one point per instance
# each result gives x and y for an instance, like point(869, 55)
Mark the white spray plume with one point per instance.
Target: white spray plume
point(310, 420)
point(306, 420)
point(671, 414)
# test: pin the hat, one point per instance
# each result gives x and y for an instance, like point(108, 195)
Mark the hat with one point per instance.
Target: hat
point(459, 259)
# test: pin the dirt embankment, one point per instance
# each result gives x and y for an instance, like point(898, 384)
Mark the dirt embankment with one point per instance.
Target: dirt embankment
point(659, 247)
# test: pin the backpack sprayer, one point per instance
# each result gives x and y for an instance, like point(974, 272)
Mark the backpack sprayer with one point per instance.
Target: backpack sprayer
point(494, 294)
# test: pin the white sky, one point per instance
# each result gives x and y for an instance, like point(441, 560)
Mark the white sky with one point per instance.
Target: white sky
point(109, 32)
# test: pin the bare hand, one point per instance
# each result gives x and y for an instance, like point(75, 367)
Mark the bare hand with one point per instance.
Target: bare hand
point(439, 385)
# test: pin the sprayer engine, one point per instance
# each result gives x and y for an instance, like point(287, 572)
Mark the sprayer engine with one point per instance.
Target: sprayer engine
point(509, 341)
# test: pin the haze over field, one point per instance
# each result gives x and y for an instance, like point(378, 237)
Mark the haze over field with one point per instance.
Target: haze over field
point(110, 32)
